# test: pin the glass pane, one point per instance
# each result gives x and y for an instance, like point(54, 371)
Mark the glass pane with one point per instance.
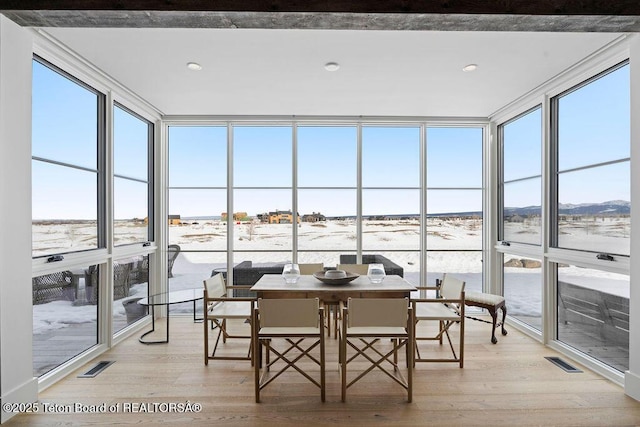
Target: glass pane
point(197, 156)
point(454, 219)
point(391, 219)
point(130, 285)
point(522, 211)
point(327, 156)
point(65, 316)
point(594, 209)
point(328, 219)
point(522, 146)
point(454, 157)
point(465, 265)
point(130, 205)
point(523, 289)
point(593, 313)
point(64, 119)
point(198, 220)
point(262, 156)
point(130, 145)
point(594, 121)
point(64, 209)
point(390, 157)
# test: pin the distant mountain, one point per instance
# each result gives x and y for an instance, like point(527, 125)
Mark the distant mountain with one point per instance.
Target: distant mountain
point(613, 207)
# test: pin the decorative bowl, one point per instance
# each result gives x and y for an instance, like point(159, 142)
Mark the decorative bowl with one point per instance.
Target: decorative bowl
point(320, 275)
point(335, 274)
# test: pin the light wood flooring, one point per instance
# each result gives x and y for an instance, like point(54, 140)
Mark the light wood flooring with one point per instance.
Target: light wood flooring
point(507, 384)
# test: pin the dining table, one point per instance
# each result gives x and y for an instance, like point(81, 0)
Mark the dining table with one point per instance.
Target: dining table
point(307, 286)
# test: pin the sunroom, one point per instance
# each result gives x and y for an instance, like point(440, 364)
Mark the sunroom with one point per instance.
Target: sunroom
point(150, 159)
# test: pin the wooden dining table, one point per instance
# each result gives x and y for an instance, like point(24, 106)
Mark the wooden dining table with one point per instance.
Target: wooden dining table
point(274, 286)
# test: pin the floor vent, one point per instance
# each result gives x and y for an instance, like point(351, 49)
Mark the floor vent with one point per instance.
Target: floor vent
point(101, 366)
point(562, 364)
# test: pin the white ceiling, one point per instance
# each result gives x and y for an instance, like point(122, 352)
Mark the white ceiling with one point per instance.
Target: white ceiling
point(280, 71)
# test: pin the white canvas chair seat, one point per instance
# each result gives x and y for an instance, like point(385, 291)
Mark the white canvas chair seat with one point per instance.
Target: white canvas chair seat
point(283, 327)
point(218, 308)
point(364, 322)
point(230, 309)
point(448, 310)
point(435, 311)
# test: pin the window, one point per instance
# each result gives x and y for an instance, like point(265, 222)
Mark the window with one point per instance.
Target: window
point(66, 168)
point(454, 204)
point(391, 195)
point(327, 170)
point(197, 221)
point(132, 144)
point(521, 178)
point(591, 207)
point(592, 170)
point(262, 194)
point(67, 212)
point(593, 313)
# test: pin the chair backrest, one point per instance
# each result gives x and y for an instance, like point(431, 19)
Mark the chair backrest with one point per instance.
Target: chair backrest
point(279, 313)
point(215, 286)
point(361, 269)
point(310, 268)
point(451, 287)
point(173, 251)
point(378, 312)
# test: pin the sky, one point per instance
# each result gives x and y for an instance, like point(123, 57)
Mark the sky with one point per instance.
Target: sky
point(65, 130)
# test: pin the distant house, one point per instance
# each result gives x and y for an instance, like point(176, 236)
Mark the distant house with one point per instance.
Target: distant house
point(174, 220)
point(278, 217)
point(314, 217)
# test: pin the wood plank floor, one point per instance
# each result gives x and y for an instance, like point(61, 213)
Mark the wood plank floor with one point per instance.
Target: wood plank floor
point(507, 384)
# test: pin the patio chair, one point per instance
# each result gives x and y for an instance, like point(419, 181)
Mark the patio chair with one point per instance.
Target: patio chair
point(121, 279)
point(448, 310)
point(53, 287)
point(364, 322)
point(173, 251)
point(287, 323)
point(310, 268)
point(361, 269)
point(218, 308)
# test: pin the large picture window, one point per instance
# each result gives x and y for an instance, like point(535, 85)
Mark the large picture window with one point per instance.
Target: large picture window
point(591, 221)
point(67, 213)
point(454, 194)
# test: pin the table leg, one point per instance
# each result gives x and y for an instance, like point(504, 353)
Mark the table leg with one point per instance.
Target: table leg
point(153, 328)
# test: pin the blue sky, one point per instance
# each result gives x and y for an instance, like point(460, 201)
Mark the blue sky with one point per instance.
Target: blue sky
point(65, 126)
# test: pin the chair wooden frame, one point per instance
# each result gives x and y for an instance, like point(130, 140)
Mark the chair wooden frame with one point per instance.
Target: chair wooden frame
point(218, 308)
point(292, 321)
point(363, 327)
point(447, 309)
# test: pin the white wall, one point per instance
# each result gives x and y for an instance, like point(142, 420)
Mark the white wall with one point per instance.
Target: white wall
point(632, 376)
point(16, 317)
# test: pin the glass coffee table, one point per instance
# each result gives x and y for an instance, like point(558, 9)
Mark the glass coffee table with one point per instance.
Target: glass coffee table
point(166, 299)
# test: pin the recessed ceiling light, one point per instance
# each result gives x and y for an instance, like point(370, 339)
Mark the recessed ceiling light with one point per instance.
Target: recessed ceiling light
point(194, 66)
point(331, 66)
point(470, 67)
